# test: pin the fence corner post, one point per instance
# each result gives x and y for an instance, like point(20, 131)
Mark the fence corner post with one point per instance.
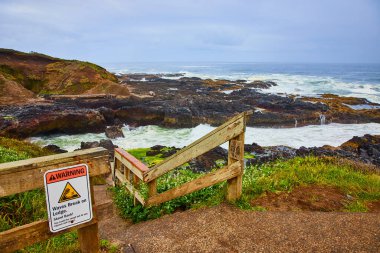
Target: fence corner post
point(236, 153)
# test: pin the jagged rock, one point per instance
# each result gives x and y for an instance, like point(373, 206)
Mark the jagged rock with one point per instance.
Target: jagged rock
point(195, 101)
point(107, 144)
point(55, 149)
point(261, 84)
point(41, 119)
point(153, 152)
point(169, 152)
point(254, 147)
point(114, 132)
point(157, 147)
point(364, 149)
point(208, 160)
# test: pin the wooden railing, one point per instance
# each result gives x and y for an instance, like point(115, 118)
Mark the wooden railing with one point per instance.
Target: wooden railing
point(130, 171)
point(25, 175)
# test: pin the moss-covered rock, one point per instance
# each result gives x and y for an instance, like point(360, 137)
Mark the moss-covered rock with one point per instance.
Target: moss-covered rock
point(42, 74)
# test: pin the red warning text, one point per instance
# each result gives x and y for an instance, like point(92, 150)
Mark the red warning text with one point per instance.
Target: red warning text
point(65, 174)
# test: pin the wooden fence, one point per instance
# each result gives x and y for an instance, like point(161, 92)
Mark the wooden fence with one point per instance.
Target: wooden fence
point(25, 175)
point(130, 171)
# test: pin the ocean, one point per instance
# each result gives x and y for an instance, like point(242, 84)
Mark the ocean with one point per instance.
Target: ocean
point(357, 80)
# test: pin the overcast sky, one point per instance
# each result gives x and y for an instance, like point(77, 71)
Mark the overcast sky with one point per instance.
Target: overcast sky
point(104, 31)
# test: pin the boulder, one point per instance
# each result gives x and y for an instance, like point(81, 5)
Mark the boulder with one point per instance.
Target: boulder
point(208, 160)
point(114, 132)
point(107, 144)
point(54, 149)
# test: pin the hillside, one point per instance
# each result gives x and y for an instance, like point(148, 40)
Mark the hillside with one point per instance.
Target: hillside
point(25, 75)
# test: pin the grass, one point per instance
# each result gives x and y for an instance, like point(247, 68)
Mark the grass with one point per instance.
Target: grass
point(209, 196)
point(24, 208)
point(280, 176)
point(286, 175)
point(140, 153)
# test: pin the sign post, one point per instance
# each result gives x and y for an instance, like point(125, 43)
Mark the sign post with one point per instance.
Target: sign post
point(68, 197)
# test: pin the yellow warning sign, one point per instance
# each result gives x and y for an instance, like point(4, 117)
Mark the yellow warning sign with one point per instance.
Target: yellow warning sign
point(69, 193)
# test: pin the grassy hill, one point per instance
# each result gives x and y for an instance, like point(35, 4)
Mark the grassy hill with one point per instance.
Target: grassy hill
point(25, 75)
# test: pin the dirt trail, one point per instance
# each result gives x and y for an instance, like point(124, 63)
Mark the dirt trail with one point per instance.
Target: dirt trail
point(225, 228)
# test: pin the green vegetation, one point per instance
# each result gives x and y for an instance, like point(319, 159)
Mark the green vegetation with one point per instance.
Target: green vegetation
point(19, 150)
point(280, 176)
point(12, 74)
point(23, 208)
point(33, 82)
point(140, 153)
point(286, 175)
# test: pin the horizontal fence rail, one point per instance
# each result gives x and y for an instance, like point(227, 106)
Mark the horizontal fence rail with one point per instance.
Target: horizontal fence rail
point(25, 175)
point(131, 172)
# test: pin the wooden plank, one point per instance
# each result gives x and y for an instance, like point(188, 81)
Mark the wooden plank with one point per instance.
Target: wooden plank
point(130, 187)
point(51, 160)
point(133, 160)
point(138, 171)
point(207, 180)
point(26, 235)
point(236, 155)
point(220, 135)
point(25, 180)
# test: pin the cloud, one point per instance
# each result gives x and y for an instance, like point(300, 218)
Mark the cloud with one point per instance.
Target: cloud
point(234, 30)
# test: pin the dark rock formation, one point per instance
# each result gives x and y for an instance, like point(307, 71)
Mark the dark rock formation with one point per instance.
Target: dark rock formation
point(209, 160)
point(54, 149)
point(107, 144)
point(114, 132)
point(363, 149)
point(185, 102)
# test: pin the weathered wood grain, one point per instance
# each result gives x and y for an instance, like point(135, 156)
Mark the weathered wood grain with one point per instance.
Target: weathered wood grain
point(220, 175)
point(236, 155)
point(220, 135)
point(130, 187)
point(20, 176)
point(137, 167)
point(26, 235)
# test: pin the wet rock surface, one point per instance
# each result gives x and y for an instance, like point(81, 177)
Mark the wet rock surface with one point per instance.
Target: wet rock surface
point(114, 132)
point(364, 149)
point(107, 144)
point(182, 102)
point(212, 159)
point(54, 149)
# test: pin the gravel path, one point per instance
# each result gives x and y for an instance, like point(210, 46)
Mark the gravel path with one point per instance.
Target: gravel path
point(225, 228)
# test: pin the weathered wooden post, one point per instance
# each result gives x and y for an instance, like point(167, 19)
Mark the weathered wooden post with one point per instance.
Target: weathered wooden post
point(236, 153)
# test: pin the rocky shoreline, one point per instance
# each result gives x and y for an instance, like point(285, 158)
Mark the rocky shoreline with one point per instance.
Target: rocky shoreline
point(363, 151)
point(177, 103)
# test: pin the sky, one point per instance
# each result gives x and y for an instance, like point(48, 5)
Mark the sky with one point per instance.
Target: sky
point(107, 31)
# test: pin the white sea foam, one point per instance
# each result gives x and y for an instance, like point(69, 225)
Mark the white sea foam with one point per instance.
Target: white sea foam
point(305, 85)
point(147, 136)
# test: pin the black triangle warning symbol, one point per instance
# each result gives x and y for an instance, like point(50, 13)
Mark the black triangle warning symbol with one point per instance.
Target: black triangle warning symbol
point(52, 177)
point(68, 193)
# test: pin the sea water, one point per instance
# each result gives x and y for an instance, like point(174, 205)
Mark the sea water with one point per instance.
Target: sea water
point(148, 136)
point(357, 80)
point(307, 79)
